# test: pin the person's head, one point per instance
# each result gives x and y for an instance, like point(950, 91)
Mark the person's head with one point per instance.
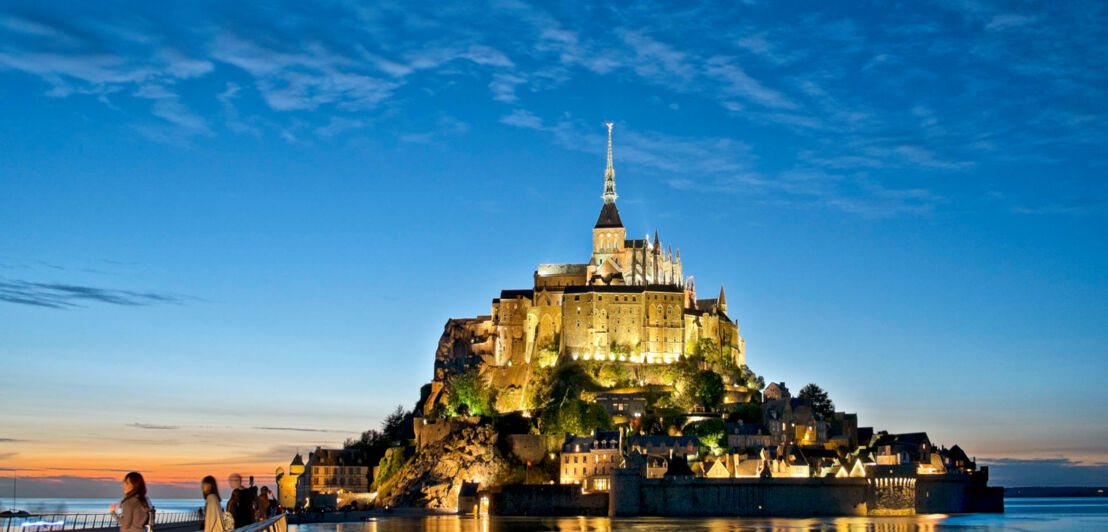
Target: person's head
point(209, 487)
point(235, 480)
point(134, 486)
point(265, 490)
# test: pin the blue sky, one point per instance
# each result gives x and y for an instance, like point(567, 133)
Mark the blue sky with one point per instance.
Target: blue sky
point(243, 227)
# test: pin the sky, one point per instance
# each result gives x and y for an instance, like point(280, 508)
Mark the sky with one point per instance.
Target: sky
point(230, 232)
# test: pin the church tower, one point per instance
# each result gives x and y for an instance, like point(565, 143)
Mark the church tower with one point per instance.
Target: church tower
point(608, 234)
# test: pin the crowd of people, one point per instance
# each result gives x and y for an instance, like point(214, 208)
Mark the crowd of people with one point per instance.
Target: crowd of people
point(246, 505)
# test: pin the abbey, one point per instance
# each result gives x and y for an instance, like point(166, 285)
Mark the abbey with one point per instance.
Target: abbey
point(631, 302)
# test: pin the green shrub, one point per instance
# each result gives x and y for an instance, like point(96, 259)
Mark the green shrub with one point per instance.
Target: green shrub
point(468, 394)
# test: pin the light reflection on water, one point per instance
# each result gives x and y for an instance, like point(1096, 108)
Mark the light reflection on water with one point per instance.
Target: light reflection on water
point(1038, 515)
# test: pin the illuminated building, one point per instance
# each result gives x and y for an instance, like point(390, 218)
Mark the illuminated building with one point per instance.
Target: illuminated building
point(629, 303)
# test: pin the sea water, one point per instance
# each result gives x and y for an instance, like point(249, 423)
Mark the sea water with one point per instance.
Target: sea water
point(1023, 514)
point(94, 506)
point(1039, 515)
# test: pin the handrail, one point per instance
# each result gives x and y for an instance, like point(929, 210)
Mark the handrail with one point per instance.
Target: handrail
point(277, 523)
point(57, 522)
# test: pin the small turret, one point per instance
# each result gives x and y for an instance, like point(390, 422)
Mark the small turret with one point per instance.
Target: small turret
point(721, 303)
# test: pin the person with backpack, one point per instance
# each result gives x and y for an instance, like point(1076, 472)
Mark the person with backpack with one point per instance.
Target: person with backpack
point(135, 507)
point(241, 504)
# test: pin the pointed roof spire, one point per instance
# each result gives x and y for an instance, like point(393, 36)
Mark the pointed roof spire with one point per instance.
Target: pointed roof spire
point(722, 301)
point(609, 214)
point(609, 172)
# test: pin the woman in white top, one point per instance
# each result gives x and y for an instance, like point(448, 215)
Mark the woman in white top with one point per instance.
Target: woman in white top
point(213, 511)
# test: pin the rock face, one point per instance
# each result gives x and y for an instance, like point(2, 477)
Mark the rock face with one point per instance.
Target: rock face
point(435, 476)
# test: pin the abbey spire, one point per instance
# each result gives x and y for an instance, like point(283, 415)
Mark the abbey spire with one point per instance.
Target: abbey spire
point(610, 172)
point(609, 214)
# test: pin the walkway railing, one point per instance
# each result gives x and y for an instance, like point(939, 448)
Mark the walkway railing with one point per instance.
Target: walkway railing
point(60, 522)
point(277, 523)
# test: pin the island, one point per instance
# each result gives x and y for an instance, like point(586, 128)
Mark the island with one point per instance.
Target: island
point(609, 387)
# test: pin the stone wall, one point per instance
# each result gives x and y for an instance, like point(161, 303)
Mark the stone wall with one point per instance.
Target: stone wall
point(631, 494)
point(545, 499)
point(688, 496)
point(527, 447)
point(430, 430)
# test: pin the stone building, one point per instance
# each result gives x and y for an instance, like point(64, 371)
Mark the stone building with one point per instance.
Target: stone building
point(332, 472)
point(630, 302)
point(286, 482)
point(666, 446)
point(590, 460)
point(622, 404)
point(791, 420)
point(747, 436)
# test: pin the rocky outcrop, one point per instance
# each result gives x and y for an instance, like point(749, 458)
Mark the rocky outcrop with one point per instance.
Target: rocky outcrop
point(435, 476)
point(465, 344)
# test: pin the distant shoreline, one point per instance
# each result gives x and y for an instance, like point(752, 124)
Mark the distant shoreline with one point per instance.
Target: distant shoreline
point(1040, 491)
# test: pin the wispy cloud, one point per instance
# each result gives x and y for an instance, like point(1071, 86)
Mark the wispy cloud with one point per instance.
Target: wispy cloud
point(67, 296)
point(153, 426)
point(901, 89)
point(723, 165)
point(302, 429)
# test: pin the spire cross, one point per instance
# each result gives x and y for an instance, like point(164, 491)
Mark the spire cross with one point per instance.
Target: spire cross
point(609, 172)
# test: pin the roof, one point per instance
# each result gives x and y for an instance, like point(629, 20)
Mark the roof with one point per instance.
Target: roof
point(337, 457)
point(705, 304)
point(512, 294)
point(609, 439)
point(956, 453)
point(910, 438)
point(561, 269)
point(745, 429)
point(609, 216)
point(663, 441)
point(298, 460)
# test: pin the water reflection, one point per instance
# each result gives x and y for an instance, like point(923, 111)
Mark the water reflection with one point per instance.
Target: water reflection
point(1038, 515)
point(646, 524)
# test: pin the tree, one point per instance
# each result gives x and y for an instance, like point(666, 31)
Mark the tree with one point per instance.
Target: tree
point(707, 388)
point(613, 374)
point(469, 390)
point(548, 353)
point(396, 429)
point(397, 426)
point(710, 432)
point(574, 416)
point(818, 400)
